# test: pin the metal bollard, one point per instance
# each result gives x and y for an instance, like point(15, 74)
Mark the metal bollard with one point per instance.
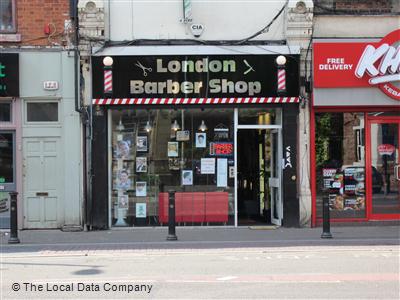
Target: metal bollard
point(13, 219)
point(326, 225)
point(171, 216)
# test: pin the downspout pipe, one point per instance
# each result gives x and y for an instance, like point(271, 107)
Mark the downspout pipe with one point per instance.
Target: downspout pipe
point(73, 12)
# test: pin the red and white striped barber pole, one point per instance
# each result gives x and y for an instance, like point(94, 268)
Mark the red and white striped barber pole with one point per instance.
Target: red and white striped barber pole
point(108, 84)
point(281, 80)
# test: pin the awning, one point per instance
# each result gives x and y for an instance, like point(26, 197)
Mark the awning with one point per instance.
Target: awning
point(198, 101)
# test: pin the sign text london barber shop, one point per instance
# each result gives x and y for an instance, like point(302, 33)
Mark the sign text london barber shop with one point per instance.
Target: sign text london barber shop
point(202, 76)
point(215, 86)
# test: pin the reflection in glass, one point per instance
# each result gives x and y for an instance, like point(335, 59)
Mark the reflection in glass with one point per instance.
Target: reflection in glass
point(260, 116)
point(6, 158)
point(384, 158)
point(340, 163)
point(5, 112)
point(158, 160)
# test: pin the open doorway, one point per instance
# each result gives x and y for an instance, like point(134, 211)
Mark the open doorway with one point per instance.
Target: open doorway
point(258, 176)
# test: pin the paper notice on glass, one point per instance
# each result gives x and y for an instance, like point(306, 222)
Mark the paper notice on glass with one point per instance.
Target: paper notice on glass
point(222, 172)
point(208, 166)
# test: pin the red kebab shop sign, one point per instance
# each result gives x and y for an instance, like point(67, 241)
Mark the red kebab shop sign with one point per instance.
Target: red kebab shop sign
point(359, 64)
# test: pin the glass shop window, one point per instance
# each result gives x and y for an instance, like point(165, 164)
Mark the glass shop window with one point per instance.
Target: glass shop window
point(6, 158)
point(5, 112)
point(340, 163)
point(42, 112)
point(186, 150)
point(260, 116)
point(7, 16)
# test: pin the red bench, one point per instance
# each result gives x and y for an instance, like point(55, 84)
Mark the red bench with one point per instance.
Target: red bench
point(195, 207)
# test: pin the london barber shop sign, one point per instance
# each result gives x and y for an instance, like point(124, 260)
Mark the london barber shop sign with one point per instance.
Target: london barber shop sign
point(195, 76)
point(359, 64)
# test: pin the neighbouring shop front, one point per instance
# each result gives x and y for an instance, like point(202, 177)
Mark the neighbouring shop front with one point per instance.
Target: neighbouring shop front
point(355, 129)
point(9, 132)
point(215, 125)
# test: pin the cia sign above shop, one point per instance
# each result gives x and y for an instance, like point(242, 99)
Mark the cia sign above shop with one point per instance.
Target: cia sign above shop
point(197, 29)
point(359, 64)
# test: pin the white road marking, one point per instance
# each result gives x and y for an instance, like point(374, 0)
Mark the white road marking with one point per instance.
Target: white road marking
point(226, 278)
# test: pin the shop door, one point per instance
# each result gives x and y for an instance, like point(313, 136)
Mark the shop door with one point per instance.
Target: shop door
point(259, 176)
point(276, 178)
point(383, 174)
point(41, 177)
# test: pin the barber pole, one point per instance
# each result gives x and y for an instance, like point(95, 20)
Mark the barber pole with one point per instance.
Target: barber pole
point(281, 80)
point(108, 81)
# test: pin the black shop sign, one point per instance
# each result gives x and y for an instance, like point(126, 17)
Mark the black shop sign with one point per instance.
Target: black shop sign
point(9, 75)
point(194, 76)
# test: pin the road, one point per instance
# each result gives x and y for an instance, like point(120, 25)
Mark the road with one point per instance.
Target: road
point(314, 272)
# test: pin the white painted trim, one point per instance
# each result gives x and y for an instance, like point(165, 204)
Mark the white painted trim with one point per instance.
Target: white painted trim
point(235, 126)
point(198, 49)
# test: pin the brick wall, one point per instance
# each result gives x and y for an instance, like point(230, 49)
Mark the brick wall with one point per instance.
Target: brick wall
point(365, 7)
point(34, 15)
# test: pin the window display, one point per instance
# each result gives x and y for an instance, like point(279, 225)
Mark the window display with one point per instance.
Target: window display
point(340, 163)
point(186, 150)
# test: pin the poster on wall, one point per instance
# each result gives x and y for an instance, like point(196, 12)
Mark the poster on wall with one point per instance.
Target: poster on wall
point(122, 180)
point(141, 210)
point(222, 172)
point(141, 143)
point(208, 166)
point(123, 201)
point(187, 177)
point(123, 146)
point(173, 149)
point(173, 163)
point(141, 187)
point(141, 164)
point(201, 140)
point(183, 136)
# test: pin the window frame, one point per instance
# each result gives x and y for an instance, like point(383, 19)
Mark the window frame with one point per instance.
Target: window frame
point(42, 122)
point(13, 21)
point(10, 102)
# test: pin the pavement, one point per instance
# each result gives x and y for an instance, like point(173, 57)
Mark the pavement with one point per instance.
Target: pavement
point(41, 241)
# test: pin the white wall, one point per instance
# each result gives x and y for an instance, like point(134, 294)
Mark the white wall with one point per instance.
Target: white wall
point(223, 19)
point(354, 26)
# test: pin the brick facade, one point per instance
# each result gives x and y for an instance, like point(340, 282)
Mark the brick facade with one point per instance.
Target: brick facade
point(32, 17)
point(365, 7)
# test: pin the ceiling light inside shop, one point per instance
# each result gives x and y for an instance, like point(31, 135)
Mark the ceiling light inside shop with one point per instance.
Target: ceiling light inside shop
point(148, 127)
point(175, 126)
point(203, 126)
point(120, 126)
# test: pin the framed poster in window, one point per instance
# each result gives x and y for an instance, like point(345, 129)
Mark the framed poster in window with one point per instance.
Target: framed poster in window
point(173, 149)
point(141, 143)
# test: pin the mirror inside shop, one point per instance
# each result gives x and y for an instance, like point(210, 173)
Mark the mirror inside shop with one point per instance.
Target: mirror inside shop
point(190, 151)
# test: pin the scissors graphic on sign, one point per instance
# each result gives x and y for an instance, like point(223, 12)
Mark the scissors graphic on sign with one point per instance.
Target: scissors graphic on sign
point(249, 69)
point(144, 69)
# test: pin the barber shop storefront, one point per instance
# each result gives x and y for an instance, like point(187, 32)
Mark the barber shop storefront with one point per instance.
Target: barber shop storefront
point(355, 129)
point(216, 125)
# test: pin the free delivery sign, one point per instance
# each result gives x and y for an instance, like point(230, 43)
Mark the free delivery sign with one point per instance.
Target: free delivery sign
point(359, 64)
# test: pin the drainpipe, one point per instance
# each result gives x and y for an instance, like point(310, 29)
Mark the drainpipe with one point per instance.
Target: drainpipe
point(73, 6)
